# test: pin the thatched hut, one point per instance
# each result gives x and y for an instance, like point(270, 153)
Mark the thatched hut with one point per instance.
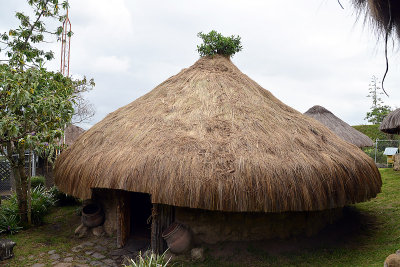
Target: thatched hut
point(391, 123)
point(44, 168)
point(71, 133)
point(339, 127)
point(211, 149)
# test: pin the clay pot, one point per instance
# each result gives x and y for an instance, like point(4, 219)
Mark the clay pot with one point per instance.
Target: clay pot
point(178, 238)
point(92, 215)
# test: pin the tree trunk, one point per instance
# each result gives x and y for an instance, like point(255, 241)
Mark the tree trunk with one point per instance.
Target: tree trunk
point(21, 191)
point(23, 201)
point(29, 198)
point(17, 163)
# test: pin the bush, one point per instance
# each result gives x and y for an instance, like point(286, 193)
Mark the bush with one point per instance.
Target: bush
point(152, 260)
point(9, 217)
point(215, 43)
point(42, 201)
point(37, 181)
point(10, 206)
point(373, 132)
point(63, 199)
point(9, 224)
point(380, 158)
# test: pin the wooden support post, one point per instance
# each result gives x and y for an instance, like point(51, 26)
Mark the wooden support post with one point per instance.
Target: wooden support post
point(162, 217)
point(123, 218)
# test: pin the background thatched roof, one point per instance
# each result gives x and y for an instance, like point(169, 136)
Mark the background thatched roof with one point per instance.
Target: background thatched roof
point(72, 132)
point(212, 138)
point(339, 127)
point(391, 123)
point(384, 14)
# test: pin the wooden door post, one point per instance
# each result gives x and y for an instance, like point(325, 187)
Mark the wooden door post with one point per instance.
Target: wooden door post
point(123, 217)
point(162, 217)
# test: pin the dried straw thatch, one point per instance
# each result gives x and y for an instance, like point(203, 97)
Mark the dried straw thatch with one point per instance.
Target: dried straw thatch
point(72, 132)
point(391, 123)
point(384, 14)
point(212, 138)
point(339, 127)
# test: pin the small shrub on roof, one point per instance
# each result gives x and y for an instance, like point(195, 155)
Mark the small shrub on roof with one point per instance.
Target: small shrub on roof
point(215, 43)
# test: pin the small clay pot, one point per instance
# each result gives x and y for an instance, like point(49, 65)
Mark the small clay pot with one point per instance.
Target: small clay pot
point(178, 238)
point(92, 215)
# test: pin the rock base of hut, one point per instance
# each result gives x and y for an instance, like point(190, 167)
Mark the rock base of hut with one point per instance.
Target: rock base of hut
point(211, 227)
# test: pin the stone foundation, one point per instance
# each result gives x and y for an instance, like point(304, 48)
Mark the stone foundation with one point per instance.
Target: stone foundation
point(210, 227)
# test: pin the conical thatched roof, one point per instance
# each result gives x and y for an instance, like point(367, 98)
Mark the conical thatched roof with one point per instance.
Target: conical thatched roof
point(339, 127)
point(212, 138)
point(391, 123)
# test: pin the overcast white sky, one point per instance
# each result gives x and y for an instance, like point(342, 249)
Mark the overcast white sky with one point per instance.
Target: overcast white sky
point(306, 52)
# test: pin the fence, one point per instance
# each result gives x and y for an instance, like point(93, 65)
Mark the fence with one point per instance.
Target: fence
point(5, 172)
point(376, 152)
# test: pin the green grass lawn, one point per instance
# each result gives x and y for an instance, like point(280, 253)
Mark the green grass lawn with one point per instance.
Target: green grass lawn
point(57, 233)
point(367, 234)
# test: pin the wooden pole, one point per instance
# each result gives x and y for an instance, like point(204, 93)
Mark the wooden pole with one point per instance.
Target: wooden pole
point(124, 218)
point(162, 217)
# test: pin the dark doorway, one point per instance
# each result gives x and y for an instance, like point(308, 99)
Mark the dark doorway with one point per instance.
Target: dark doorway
point(140, 216)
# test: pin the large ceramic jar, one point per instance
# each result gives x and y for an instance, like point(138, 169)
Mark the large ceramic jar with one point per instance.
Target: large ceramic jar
point(178, 238)
point(92, 215)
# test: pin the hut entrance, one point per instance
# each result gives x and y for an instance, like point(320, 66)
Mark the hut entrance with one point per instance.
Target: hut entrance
point(135, 230)
point(141, 206)
point(134, 212)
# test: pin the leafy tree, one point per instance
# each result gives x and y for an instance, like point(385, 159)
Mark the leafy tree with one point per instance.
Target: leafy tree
point(378, 110)
point(214, 43)
point(35, 104)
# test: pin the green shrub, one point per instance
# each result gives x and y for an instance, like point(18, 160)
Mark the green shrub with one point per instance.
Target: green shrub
point(9, 207)
point(373, 132)
point(42, 201)
point(63, 199)
point(380, 158)
point(152, 260)
point(9, 224)
point(9, 217)
point(37, 181)
point(215, 43)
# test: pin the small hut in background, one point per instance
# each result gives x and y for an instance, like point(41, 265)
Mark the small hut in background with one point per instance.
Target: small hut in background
point(44, 168)
point(391, 125)
point(339, 127)
point(71, 133)
point(212, 150)
point(390, 152)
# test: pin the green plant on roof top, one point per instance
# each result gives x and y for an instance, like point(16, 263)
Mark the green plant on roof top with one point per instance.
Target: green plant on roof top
point(215, 43)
